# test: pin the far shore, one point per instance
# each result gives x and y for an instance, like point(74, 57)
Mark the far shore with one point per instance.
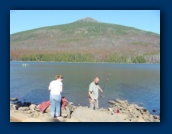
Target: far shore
point(83, 62)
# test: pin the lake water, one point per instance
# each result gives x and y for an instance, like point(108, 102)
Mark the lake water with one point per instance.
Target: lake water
point(138, 83)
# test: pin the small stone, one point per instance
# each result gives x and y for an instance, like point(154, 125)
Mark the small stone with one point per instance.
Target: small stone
point(130, 115)
point(157, 120)
point(140, 108)
point(155, 116)
point(111, 102)
point(144, 110)
point(153, 110)
point(110, 109)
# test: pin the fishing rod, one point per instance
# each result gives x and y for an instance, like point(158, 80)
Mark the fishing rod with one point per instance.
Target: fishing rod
point(105, 84)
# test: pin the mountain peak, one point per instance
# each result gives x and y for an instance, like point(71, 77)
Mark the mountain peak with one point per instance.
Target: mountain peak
point(88, 19)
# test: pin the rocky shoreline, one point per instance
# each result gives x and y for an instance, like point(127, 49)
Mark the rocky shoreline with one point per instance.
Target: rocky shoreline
point(118, 111)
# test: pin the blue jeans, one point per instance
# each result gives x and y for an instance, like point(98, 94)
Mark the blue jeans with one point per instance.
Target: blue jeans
point(55, 104)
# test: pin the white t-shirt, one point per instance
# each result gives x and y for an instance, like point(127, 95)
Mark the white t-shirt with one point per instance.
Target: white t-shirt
point(55, 87)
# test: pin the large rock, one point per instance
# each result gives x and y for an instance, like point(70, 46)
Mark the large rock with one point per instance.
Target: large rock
point(48, 109)
point(13, 107)
point(13, 99)
point(134, 112)
point(68, 111)
point(26, 104)
point(121, 102)
point(37, 108)
point(63, 113)
point(23, 108)
point(72, 107)
point(32, 107)
point(85, 114)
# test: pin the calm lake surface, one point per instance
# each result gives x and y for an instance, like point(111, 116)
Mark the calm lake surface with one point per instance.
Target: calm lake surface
point(138, 83)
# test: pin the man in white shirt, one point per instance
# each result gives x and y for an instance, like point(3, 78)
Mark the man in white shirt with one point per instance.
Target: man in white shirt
point(94, 93)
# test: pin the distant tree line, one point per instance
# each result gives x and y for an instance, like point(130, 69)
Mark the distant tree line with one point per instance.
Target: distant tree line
point(82, 57)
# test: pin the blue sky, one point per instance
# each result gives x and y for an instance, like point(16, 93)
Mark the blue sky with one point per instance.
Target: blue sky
point(21, 20)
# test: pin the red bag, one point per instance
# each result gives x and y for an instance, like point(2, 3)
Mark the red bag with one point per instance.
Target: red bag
point(44, 105)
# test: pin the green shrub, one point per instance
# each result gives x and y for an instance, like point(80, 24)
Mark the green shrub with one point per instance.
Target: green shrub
point(139, 59)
